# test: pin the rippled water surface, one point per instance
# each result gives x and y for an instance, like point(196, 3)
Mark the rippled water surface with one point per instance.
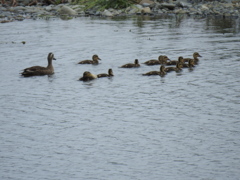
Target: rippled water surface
point(185, 125)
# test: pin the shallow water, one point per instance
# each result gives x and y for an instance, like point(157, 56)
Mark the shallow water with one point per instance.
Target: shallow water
point(181, 126)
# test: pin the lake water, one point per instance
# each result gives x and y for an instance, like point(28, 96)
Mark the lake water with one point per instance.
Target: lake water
point(184, 125)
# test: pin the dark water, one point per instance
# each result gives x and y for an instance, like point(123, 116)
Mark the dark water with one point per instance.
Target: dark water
point(182, 126)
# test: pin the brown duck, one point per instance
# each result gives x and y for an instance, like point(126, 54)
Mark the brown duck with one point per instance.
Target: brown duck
point(180, 60)
point(131, 65)
point(190, 64)
point(110, 73)
point(87, 76)
point(39, 70)
point(195, 57)
point(161, 72)
point(177, 68)
point(161, 60)
point(94, 60)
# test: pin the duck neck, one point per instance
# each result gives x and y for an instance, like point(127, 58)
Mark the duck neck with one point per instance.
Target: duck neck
point(49, 63)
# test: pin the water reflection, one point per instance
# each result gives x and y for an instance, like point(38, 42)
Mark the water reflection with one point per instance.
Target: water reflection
point(223, 25)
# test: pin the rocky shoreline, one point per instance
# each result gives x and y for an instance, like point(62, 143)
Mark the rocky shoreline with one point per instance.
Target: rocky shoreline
point(205, 8)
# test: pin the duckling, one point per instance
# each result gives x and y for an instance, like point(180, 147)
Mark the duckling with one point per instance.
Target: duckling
point(39, 70)
point(195, 57)
point(180, 60)
point(177, 68)
point(110, 73)
point(87, 76)
point(94, 60)
point(161, 60)
point(190, 64)
point(131, 65)
point(161, 72)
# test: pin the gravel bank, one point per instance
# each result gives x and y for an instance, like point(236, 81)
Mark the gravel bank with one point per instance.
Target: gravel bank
point(205, 8)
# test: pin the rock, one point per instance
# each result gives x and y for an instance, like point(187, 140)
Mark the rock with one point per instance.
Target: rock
point(168, 6)
point(135, 10)
point(146, 10)
point(48, 8)
point(65, 10)
point(107, 13)
point(146, 2)
point(204, 8)
point(180, 11)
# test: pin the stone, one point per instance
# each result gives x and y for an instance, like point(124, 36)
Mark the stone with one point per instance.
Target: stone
point(204, 8)
point(146, 10)
point(146, 2)
point(65, 10)
point(107, 13)
point(168, 6)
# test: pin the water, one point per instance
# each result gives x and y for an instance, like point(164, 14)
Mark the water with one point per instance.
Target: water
point(182, 126)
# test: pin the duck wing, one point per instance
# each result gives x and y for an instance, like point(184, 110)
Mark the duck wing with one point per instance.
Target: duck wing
point(152, 62)
point(86, 62)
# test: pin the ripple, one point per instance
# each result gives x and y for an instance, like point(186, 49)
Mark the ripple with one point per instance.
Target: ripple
point(184, 125)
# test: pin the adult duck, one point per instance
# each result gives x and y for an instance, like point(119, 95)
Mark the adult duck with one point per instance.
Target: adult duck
point(177, 68)
point(131, 65)
point(161, 60)
point(110, 73)
point(39, 70)
point(195, 57)
point(94, 60)
point(87, 76)
point(161, 72)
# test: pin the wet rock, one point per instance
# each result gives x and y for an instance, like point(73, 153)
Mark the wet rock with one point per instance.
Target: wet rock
point(65, 10)
point(168, 6)
point(135, 9)
point(146, 10)
point(107, 13)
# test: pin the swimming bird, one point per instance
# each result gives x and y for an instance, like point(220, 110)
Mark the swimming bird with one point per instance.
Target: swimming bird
point(190, 64)
point(180, 60)
point(177, 68)
point(195, 57)
point(94, 60)
point(161, 60)
point(110, 73)
point(87, 76)
point(131, 65)
point(161, 72)
point(39, 70)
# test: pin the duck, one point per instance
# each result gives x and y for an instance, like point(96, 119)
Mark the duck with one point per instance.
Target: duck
point(195, 57)
point(180, 60)
point(177, 68)
point(190, 64)
point(110, 73)
point(87, 76)
point(39, 70)
point(131, 65)
point(162, 59)
point(94, 60)
point(161, 72)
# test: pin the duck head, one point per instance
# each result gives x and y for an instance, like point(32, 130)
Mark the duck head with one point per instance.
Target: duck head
point(95, 57)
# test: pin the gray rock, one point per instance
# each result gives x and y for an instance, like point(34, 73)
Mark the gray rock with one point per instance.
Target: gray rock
point(65, 10)
point(168, 6)
point(145, 4)
point(107, 13)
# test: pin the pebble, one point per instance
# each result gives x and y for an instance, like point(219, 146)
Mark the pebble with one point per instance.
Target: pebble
point(206, 8)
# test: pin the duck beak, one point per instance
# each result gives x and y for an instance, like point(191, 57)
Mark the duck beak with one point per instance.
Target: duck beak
point(54, 58)
point(99, 59)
